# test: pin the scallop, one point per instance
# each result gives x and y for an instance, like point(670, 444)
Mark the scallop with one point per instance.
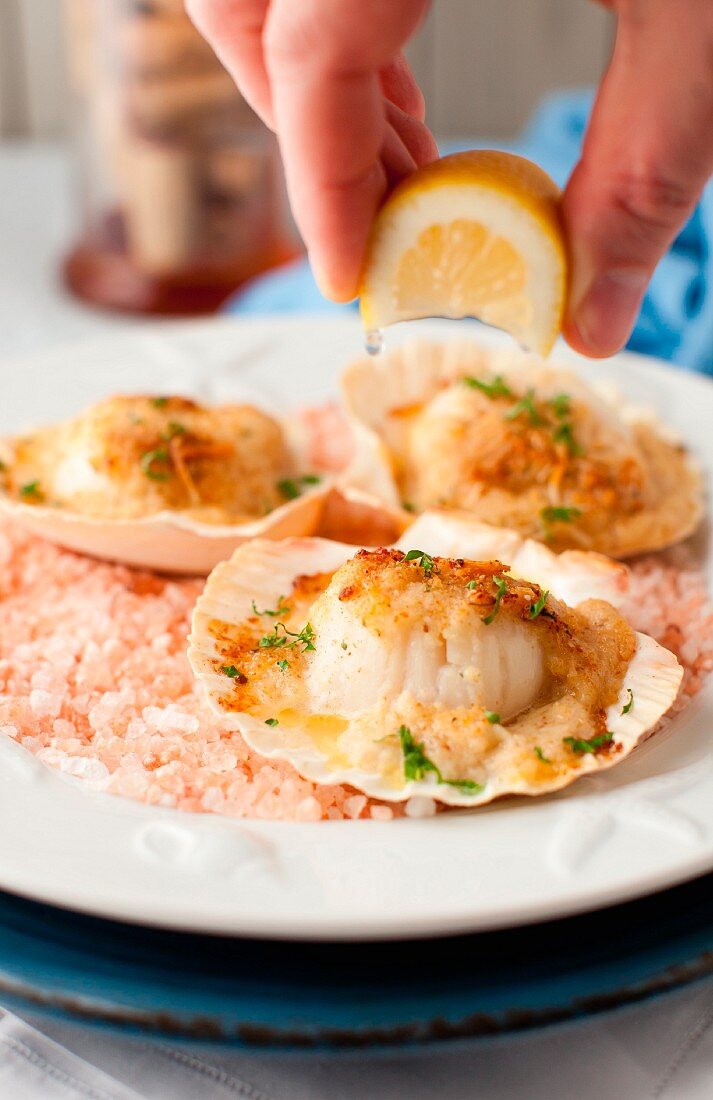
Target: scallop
point(165, 483)
point(519, 444)
point(415, 670)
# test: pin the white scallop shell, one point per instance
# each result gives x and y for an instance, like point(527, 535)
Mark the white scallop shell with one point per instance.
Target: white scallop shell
point(414, 372)
point(262, 571)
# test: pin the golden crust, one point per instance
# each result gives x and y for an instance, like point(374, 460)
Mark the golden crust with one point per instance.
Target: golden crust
point(135, 456)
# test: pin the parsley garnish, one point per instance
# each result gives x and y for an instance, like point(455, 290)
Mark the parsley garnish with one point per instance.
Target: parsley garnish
point(173, 429)
point(560, 515)
point(525, 407)
point(159, 402)
point(492, 716)
point(281, 609)
point(417, 764)
point(471, 585)
point(561, 403)
point(541, 756)
point(497, 388)
point(424, 560)
point(292, 487)
point(538, 606)
point(32, 491)
point(159, 454)
point(564, 433)
point(271, 722)
point(408, 506)
point(502, 586)
point(283, 665)
point(275, 640)
point(234, 673)
point(577, 745)
point(627, 706)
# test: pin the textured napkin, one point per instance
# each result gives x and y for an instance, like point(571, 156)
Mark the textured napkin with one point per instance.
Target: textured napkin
point(659, 1050)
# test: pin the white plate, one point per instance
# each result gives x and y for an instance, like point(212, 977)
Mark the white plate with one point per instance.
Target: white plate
point(642, 826)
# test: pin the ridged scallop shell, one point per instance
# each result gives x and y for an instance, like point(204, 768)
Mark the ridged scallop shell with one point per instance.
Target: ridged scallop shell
point(263, 571)
point(415, 372)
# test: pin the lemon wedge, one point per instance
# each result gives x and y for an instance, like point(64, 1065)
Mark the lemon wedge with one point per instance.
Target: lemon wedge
point(475, 234)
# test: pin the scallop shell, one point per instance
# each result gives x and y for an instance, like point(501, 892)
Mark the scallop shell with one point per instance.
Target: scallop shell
point(262, 571)
point(171, 542)
point(415, 372)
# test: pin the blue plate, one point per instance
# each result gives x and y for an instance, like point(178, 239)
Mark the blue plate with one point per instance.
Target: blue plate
point(257, 993)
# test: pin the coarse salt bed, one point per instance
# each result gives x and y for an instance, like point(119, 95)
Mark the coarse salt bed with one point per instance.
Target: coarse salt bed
point(94, 681)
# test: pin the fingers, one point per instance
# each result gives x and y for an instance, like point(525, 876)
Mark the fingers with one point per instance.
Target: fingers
point(399, 86)
point(417, 138)
point(234, 30)
point(647, 156)
point(324, 62)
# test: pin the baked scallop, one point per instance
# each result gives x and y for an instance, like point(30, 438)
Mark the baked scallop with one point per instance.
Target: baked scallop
point(519, 444)
point(166, 483)
point(404, 672)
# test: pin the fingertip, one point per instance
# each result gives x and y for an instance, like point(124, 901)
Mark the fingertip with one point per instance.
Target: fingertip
point(601, 319)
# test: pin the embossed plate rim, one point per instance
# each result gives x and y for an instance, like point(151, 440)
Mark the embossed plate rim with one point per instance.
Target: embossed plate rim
point(639, 828)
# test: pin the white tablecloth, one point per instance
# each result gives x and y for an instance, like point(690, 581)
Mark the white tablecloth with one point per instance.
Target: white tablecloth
point(662, 1049)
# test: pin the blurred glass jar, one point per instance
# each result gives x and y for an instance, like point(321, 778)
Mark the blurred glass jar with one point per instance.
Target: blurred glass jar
point(181, 189)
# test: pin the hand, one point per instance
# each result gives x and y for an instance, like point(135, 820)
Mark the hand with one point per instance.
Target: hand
point(647, 155)
point(329, 78)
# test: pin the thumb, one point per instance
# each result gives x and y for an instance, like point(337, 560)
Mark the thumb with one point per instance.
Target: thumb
point(647, 155)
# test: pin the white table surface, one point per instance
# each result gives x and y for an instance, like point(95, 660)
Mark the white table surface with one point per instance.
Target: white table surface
point(662, 1049)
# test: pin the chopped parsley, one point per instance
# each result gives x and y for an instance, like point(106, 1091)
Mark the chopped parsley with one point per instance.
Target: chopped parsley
point(275, 640)
point(293, 487)
point(159, 402)
point(525, 407)
point(344, 645)
point(173, 429)
point(492, 716)
point(424, 560)
point(148, 461)
point(271, 722)
point(408, 506)
point(234, 673)
point(627, 706)
point(417, 764)
point(497, 388)
point(281, 609)
point(32, 491)
point(283, 665)
point(541, 756)
point(471, 585)
point(564, 433)
point(501, 585)
point(560, 515)
point(594, 743)
point(561, 404)
point(538, 606)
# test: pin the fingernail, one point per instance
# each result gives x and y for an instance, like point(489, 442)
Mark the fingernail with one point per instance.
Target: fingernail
point(607, 311)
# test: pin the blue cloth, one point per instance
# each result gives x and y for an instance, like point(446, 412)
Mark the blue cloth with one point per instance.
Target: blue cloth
point(676, 319)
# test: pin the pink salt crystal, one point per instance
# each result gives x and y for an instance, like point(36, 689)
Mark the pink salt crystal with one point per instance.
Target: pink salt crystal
point(354, 805)
point(9, 731)
point(308, 809)
point(45, 704)
point(381, 813)
point(174, 718)
point(219, 757)
point(213, 799)
point(84, 767)
point(62, 728)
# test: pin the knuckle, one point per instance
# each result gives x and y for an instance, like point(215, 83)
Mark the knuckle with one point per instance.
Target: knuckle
point(653, 199)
